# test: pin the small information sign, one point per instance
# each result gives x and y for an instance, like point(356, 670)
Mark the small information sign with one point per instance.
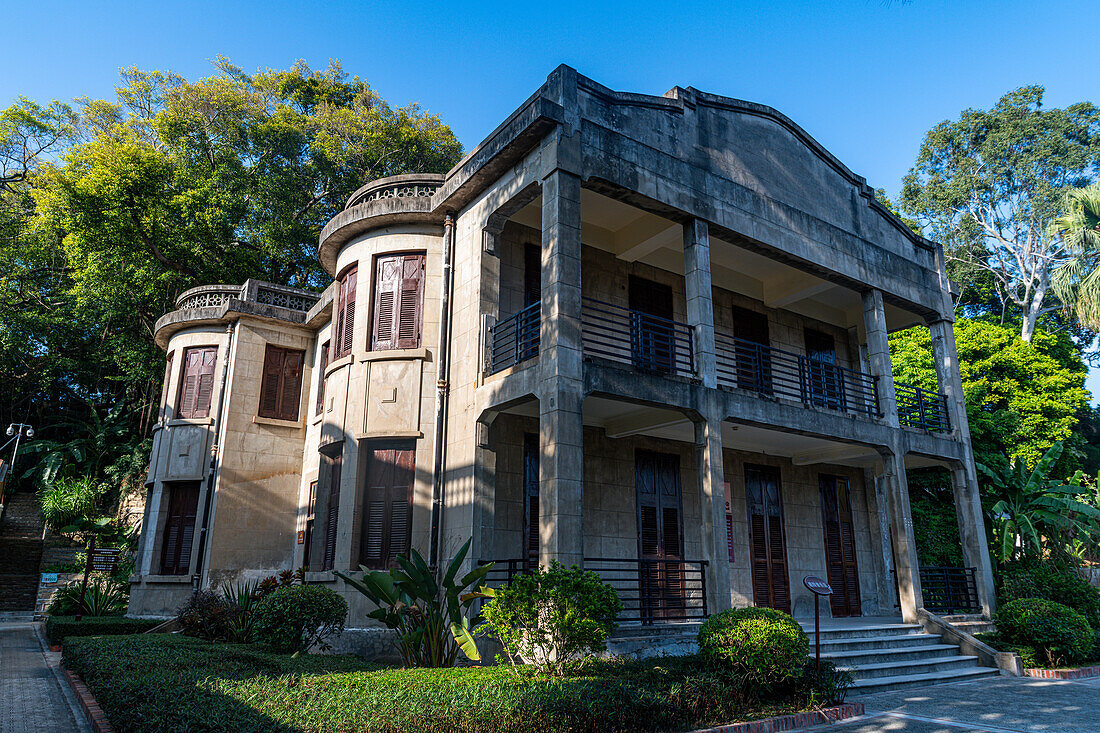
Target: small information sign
point(104, 559)
point(49, 578)
point(817, 585)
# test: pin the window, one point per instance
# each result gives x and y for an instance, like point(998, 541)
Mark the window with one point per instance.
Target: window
point(332, 509)
point(729, 523)
point(197, 384)
point(398, 302)
point(307, 535)
point(387, 515)
point(167, 382)
point(345, 313)
point(532, 543)
point(281, 385)
point(179, 528)
point(321, 378)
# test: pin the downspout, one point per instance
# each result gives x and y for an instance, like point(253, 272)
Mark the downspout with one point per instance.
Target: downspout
point(215, 463)
point(442, 377)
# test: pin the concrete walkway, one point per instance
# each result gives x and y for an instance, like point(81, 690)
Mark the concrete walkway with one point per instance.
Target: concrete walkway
point(33, 696)
point(996, 705)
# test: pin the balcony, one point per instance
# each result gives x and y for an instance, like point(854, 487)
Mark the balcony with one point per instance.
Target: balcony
point(650, 344)
point(922, 409)
point(514, 339)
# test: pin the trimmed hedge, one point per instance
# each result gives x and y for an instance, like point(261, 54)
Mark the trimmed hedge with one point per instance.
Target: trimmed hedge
point(1051, 580)
point(170, 683)
point(59, 628)
point(761, 648)
point(1060, 634)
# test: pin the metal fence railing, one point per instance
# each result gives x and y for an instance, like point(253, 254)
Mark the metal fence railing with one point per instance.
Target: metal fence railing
point(776, 373)
point(949, 590)
point(650, 343)
point(920, 408)
point(514, 339)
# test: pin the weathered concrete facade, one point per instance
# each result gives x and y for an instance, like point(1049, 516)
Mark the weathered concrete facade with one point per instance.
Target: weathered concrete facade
point(664, 357)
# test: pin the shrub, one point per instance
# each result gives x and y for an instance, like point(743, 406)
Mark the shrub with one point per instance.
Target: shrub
point(295, 618)
point(209, 615)
point(59, 628)
point(762, 648)
point(555, 618)
point(103, 597)
point(1059, 634)
point(825, 686)
point(69, 500)
point(1052, 580)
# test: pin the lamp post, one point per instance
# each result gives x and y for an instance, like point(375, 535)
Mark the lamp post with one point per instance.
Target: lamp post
point(18, 430)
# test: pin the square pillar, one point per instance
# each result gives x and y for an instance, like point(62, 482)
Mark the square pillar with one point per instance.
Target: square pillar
point(710, 474)
point(878, 355)
point(561, 379)
point(975, 548)
point(896, 488)
point(700, 299)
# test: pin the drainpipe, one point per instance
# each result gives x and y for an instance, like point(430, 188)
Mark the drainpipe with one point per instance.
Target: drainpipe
point(442, 386)
point(215, 463)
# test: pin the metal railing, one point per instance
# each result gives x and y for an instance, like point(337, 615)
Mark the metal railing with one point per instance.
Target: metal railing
point(649, 343)
point(775, 373)
point(949, 590)
point(651, 590)
point(514, 339)
point(920, 408)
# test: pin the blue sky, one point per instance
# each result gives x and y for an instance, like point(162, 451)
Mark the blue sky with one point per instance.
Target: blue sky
point(867, 78)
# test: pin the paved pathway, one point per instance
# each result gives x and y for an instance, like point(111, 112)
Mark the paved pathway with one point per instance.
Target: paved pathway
point(32, 696)
point(994, 705)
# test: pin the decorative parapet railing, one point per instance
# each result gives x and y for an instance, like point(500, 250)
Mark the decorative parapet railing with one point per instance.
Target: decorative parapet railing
point(922, 409)
point(207, 296)
point(949, 590)
point(652, 590)
point(254, 291)
point(772, 372)
point(650, 343)
point(514, 339)
point(413, 185)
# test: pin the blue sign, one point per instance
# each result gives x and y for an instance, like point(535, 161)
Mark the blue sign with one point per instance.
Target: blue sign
point(49, 577)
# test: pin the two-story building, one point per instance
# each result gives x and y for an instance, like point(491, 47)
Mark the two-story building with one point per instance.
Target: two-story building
point(645, 335)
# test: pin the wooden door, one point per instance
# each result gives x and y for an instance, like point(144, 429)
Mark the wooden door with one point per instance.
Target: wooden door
point(527, 327)
point(332, 508)
point(752, 350)
point(531, 500)
point(823, 385)
point(387, 515)
point(768, 546)
point(840, 545)
point(179, 528)
point(660, 534)
point(651, 337)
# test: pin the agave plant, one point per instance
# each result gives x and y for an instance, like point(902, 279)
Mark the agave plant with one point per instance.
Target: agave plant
point(245, 596)
point(103, 597)
point(1030, 507)
point(428, 609)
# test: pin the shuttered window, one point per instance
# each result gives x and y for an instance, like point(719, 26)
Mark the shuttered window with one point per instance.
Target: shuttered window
point(179, 528)
point(387, 511)
point(311, 516)
point(768, 547)
point(398, 302)
point(332, 511)
point(345, 312)
point(197, 382)
point(531, 494)
point(281, 385)
point(321, 378)
point(729, 523)
point(167, 381)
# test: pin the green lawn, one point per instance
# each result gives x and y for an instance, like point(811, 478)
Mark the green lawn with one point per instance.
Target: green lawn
point(158, 682)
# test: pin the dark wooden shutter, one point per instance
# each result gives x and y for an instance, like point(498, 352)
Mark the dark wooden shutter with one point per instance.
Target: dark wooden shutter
point(332, 518)
point(205, 392)
point(410, 316)
point(770, 584)
point(398, 302)
point(179, 528)
point(660, 533)
point(840, 550)
point(531, 544)
point(387, 514)
point(167, 381)
point(730, 548)
point(311, 516)
point(197, 382)
point(345, 317)
point(281, 383)
point(321, 378)
point(387, 286)
point(269, 383)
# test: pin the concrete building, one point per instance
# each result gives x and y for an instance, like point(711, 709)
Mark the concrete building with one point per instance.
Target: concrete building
point(646, 335)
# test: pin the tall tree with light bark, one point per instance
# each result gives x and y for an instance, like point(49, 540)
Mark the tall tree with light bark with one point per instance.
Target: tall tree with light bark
point(988, 186)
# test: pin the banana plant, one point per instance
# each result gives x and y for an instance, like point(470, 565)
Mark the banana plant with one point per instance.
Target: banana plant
point(1029, 508)
point(429, 610)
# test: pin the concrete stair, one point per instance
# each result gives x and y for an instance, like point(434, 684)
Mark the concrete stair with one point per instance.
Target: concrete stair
point(893, 656)
point(20, 553)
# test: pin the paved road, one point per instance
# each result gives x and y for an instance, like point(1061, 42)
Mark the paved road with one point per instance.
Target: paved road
point(32, 699)
point(997, 705)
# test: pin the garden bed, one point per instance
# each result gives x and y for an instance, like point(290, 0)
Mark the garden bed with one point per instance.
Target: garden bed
point(167, 682)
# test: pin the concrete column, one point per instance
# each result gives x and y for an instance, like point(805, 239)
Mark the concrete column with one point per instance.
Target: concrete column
point(878, 355)
point(561, 382)
point(710, 474)
point(700, 303)
point(896, 487)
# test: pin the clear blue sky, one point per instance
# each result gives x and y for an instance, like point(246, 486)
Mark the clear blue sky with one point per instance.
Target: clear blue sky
point(867, 78)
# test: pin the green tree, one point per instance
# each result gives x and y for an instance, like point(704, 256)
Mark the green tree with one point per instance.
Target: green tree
point(1077, 281)
point(1021, 397)
point(989, 184)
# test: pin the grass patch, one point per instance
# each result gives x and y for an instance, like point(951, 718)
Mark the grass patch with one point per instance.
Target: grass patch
point(170, 683)
point(59, 628)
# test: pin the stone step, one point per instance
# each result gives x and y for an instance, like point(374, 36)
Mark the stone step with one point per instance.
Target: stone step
point(905, 681)
point(11, 617)
point(894, 668)
point(900, 656)
point(854, 631)
point(878, 642)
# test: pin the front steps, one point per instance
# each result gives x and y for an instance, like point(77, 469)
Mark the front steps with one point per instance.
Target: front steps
point(893, 656)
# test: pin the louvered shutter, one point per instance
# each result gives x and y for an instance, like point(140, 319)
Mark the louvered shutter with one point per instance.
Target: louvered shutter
point(205, 391)
point(167, 381)
point(307, 539)
point(387, 287)
point(771, 585)
point(840, 549)
point(400, 529)
point(179, 529)
point(409, 313)
point(197, 384)
point(328, 562)
point(531, 492)
point(290, 387)
point(321, 378)
point(269, 382)
point(730, 548)
point(344, 332)
point(387, 516)
point(192, 360)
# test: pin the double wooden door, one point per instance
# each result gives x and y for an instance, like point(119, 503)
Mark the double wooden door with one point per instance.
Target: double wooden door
point(767, 535)
point(660, 534)
point(840, 545)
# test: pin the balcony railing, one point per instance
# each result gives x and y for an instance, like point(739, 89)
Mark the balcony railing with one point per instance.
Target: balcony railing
point(949, 590)
point(649, 343)
point(514, 339)
point(919, 408)
point(651, 590)
point(775, 373)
